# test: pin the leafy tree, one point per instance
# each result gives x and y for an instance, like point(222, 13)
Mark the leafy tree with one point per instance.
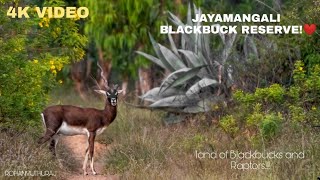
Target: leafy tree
point(119, 28)
point(306, 46)
point(33, 52)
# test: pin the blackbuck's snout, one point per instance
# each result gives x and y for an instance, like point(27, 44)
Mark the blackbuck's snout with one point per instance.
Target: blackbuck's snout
point(113, 101)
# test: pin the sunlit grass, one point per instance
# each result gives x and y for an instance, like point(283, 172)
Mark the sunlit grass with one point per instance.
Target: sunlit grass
point(20, 152)
point(143, 147)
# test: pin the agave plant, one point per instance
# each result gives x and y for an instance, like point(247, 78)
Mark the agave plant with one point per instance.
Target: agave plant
point(199, 76)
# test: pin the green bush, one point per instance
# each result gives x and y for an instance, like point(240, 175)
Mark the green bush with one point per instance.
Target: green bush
point(271, 95)
point(22, 89)
point(270, 125)
point(254, 119)
point(297, 114)
point(229, 125)
point(262, 112)
point(262, 124)
point(305, 94)
point(195, 142)
point(25, 86)
point(33, 51)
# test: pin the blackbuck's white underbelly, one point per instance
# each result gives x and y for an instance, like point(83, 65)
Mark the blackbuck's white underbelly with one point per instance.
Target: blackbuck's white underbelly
point(100, 130)
point(68, 130)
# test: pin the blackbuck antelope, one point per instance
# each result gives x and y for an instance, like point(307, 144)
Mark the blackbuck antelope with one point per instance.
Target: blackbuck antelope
point(71, 120)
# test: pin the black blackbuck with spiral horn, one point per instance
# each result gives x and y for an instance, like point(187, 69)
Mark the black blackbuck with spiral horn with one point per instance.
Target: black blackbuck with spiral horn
point(72, 120)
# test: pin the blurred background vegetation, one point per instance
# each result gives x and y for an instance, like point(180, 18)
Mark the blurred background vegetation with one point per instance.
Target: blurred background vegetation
point(248, 91)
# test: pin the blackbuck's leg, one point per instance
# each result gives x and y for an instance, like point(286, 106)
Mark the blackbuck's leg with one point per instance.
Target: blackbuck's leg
point(89, 153)
point(84, 167)
point(49, 133)
point(51, 129)
point(53, 147)
point(53, 144)
point(92, 136)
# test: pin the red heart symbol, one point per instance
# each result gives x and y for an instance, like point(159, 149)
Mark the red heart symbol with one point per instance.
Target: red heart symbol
point(309, 29)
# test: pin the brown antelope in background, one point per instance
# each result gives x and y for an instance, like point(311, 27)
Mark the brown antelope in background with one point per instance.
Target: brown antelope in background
point(72, 120)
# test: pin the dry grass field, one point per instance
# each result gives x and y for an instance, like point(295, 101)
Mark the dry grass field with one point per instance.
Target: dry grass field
point(141, 146)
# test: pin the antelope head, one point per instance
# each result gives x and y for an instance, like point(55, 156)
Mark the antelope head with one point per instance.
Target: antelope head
point(111, 93)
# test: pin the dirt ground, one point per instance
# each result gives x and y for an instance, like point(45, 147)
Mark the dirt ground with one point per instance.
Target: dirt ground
point(77, 145)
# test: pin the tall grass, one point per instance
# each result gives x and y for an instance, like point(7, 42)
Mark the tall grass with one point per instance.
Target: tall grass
point(19, 152)
point(143, 147)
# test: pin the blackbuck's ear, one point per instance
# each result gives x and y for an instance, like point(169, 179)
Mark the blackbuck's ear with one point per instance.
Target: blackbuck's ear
point(120, 91)
point(101, 92)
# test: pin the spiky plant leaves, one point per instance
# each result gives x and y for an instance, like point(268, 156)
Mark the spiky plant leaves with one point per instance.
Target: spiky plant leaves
point(193, 59)
point(205, 82)
point(152, 58)
point(171, 58)
point(250, 48)
point(173, 46)
point(201, 106)
point(196, 70)
point(171, 101)
point(229, 40)
point(183, 77)
point(159, 54)
point(154, 94)
point(173, 76)
point(175, 20)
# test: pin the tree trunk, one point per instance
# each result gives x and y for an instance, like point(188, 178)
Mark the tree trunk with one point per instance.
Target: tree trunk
point(145, 81)
point(80, 72)
point(124, 85)
point(176, 37)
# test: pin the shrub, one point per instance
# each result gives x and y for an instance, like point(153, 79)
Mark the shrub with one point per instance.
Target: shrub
point(269, 96)
point(297, 114)
point(256, 117)
point(29, 63)
point(304, 94)
point(261, 112)
point(193, 143)
point(25, 85)
point(229, 125)
point(270, 125)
